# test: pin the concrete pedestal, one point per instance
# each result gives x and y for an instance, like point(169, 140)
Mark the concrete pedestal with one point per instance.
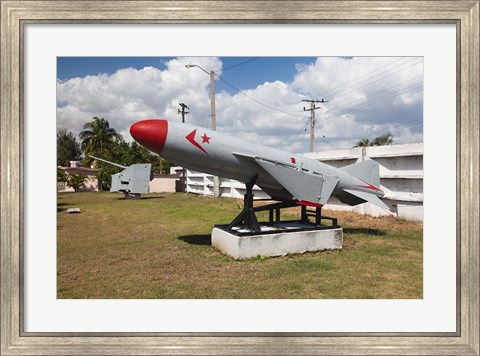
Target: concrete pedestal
point(276, 241)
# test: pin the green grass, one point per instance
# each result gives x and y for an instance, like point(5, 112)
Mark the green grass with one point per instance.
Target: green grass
point(159, 247)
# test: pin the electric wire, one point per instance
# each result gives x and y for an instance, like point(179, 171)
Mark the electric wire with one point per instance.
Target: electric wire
point(383, 91)
point(377, 80)
point(383, 131)
point(239, 64)
point(355, 86)
point(378, 100)
point(363, 75)
point(304, 127)
point(255, 100)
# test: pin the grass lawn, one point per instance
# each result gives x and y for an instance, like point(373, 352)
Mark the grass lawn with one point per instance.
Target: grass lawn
point(159, 247)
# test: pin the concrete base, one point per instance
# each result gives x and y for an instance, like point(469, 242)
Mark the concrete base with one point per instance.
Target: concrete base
point(277, 241)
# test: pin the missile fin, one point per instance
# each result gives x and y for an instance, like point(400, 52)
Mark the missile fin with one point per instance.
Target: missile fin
point(367, 171)
point(303, 186)
point(329, 184)
point(367, 197)
point(244, 155)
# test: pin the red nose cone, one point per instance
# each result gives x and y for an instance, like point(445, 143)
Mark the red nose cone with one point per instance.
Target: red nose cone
point(151, 134)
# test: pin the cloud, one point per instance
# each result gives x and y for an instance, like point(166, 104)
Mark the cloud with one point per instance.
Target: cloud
point(129, 94)
point(366, 95)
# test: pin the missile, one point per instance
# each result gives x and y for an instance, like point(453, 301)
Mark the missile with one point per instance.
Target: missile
point(282, 175)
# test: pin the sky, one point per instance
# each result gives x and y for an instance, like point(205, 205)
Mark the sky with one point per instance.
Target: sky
point(258, 99)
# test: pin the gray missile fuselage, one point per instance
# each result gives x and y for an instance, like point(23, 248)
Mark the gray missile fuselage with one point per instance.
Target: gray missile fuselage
point(215, 153)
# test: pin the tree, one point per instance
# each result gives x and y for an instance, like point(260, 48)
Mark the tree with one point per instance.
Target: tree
point(364, 142)
point(62, 176)
point(104, 180)
point(97, 136)
point(126, 154)
point(68, 149)
point(76, 181)
point(165, 166)
point(383, 140)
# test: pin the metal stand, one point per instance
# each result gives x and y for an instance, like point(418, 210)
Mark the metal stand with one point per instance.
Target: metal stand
point(248, 220)
point(317, 214)
point(247, 217)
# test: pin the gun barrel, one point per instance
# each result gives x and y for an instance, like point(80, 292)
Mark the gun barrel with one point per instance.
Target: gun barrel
point(113, 164)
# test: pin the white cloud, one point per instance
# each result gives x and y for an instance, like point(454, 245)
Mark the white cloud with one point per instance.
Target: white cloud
point(365, 95)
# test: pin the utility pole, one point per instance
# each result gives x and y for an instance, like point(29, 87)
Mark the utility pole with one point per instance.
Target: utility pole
point(184, 171)
point(312, 120)
point(212, 100)
point(183, 112)
point(216, 183)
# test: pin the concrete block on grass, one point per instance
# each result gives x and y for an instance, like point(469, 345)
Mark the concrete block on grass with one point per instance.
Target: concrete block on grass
point(276, 243)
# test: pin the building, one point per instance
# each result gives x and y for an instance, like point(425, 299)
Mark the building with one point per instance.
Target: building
point(165, 183)
point(89, 185)
point(401, 177)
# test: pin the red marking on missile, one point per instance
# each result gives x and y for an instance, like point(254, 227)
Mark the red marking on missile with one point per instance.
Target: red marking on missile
point(205, 138)
point(368, 186)
point(293, 160)
point(191, 138)
point(309, 203)
point(151, 134)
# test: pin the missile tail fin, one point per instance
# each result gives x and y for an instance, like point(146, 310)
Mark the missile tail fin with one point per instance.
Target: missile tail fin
point(362, 197)
point(367, 171)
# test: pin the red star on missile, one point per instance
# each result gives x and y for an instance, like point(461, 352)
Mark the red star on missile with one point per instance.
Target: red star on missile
point(205, 138)
point(191, 138)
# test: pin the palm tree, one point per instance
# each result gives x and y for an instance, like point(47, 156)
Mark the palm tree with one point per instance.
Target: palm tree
point(62, 176)
point(68, 149)
point(383, 140)
point(97, 135)
point(364, 142)
point(76, 181)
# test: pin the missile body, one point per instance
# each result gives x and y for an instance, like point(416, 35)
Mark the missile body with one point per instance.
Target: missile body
point(280, 174)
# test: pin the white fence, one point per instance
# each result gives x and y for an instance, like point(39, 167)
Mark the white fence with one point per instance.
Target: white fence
point(401, 178)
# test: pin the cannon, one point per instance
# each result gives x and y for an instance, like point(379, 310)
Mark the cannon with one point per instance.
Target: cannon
point(132, 181)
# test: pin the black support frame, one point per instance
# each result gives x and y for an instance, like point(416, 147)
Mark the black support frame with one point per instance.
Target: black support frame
point(248, 220)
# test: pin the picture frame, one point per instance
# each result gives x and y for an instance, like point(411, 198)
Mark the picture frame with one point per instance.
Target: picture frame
point(16, 14)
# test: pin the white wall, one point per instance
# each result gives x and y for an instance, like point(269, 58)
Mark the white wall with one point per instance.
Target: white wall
point(201, 183)
point(89, 185)
point(162, 183)
point(401, 178)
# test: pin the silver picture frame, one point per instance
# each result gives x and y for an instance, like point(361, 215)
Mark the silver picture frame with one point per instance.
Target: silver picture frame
point(16, 14)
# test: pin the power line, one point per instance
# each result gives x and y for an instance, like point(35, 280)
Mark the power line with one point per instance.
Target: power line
point(363, 75)
point(377, 100)
point(375, 132)
point(255, 100)
point(304, 128)
point(355, 86)
point(383, 91)
point(377, 80)
point(182, 111)
point(239, 64)
point(380, 131)
point(312, 120)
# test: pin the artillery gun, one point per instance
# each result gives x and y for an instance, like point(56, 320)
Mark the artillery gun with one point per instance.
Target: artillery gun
point(132, 181)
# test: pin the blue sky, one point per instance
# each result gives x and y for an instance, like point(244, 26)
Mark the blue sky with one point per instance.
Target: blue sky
point(254, 71)
point(367, 96)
